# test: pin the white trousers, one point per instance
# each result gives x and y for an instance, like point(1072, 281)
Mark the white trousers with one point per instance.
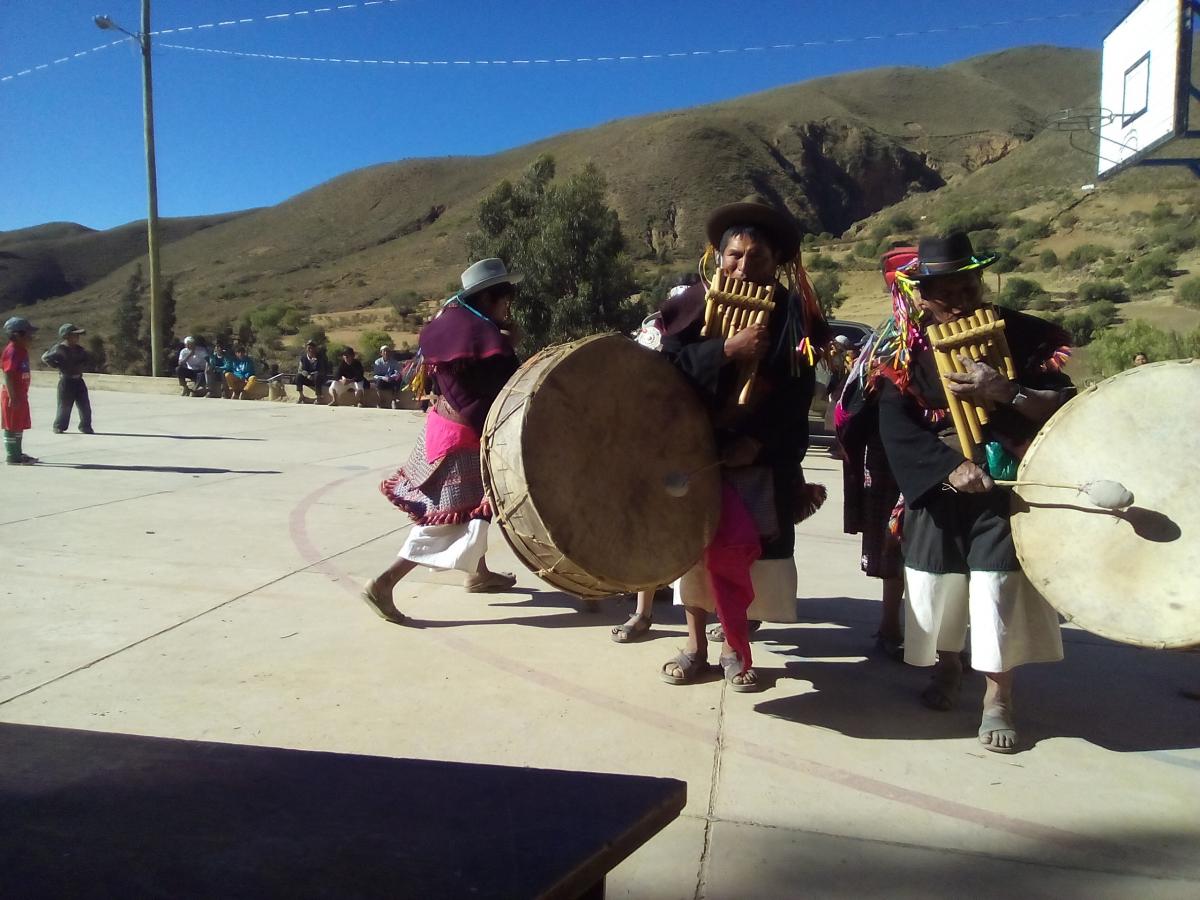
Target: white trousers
point(337, 388)
point(1011, 623)
point(774, 590)
point(447, 546)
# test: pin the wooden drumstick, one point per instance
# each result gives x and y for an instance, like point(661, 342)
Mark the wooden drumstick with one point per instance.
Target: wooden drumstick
point(1103, 493)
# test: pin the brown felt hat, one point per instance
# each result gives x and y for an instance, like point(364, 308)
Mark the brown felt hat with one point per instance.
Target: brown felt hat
point(754, 213)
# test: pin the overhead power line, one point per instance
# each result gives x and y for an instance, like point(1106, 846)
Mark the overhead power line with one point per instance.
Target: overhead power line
point(799, 45)
point(226, 23)
point(548, 60)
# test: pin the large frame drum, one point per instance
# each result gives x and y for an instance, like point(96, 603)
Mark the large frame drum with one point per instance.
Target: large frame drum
point(1132, 575)
point(576, 452)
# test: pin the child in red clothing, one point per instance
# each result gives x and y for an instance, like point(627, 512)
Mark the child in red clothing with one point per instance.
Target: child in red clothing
point(14, 395)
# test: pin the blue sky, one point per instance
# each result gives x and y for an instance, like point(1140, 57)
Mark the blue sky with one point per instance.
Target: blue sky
point(235, 132)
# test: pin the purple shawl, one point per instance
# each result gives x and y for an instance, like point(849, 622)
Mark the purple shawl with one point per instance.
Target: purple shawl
point(457, 333)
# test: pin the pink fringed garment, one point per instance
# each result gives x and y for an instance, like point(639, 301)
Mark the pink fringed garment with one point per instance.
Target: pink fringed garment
point(728, 558)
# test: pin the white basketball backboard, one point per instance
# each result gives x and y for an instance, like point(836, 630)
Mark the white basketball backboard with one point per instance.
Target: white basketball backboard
point(1144, 82)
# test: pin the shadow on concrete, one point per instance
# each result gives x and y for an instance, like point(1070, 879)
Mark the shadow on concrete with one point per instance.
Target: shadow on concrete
point(608, 613)
point(1122, 698)
point(180, 470)
point(179, 437)
point(1091, 863)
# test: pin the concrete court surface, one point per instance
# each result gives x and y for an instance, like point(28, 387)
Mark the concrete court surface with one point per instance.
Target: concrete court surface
point(192, 571)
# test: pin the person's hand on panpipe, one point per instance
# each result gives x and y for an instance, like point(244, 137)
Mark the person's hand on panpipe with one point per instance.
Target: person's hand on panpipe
point(979, 382)
point(748, 345)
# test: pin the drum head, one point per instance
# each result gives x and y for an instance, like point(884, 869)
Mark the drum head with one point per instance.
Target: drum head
point(582, 495)
point(1132, 575)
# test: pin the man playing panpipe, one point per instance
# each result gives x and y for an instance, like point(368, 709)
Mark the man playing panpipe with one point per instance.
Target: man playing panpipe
point(757, 384)
point(960, 562)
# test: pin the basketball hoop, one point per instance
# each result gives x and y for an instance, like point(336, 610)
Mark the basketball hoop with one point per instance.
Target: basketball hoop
point(1080, 118)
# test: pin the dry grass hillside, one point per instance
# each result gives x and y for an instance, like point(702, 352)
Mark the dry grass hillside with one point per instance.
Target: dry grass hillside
point(834, 150)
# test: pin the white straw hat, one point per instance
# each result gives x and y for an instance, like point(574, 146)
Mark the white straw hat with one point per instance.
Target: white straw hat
point(486, 273)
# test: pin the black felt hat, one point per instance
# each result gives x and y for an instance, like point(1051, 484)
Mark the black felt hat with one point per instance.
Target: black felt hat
point(781, 226)
point(945, 255)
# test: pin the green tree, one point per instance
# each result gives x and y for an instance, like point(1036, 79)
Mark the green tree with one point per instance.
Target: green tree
point(128, 351)
point(828, 287)
point(369, 343)
point(1049, 260)
point(97, 354)
point(567, 242)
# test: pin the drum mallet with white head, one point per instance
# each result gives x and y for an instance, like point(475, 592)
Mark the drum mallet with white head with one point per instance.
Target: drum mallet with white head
point(1105, 494)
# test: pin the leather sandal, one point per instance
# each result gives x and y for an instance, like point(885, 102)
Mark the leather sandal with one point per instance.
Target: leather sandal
point(732, 667)
point(692, 665)
point(490, 582)
point(627, 634)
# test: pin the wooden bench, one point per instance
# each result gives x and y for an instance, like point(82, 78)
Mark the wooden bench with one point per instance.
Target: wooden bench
point(93, 814)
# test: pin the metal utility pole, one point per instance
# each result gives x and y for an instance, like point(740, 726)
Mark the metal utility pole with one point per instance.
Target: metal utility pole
point(143, 39)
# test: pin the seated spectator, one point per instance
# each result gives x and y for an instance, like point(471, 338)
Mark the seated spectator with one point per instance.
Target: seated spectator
point(387, 378)
point(193, 360)
point(348, 377)
point(312, 371)
point(220, 361)
point(240, 376)
point(1140, 359)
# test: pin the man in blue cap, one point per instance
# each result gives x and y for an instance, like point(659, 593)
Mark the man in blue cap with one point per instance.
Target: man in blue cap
point(70, 359)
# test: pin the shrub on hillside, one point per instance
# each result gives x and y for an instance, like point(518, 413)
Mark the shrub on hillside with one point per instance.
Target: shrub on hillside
point(1152, 272)
point(820, 262)
point(1048, 259)
point(1068, 220)
point(1175, 237)
point(1032, 231)
point(1162, 212)
point(1019, 293)
point(985, 240)
point(1005, 262)
point(866, 249)
point(901, 221)
point(1188, 292)
point(1086, 254)
point(1094, 291)
point(1041, 303)
point(405, 303)
point(1085, 324)
point(1114, 350)
point(976, 218)
point(1103, 313)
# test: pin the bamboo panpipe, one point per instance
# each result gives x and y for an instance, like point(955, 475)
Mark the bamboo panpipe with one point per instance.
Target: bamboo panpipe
point(980, 337)
point(731, 305)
